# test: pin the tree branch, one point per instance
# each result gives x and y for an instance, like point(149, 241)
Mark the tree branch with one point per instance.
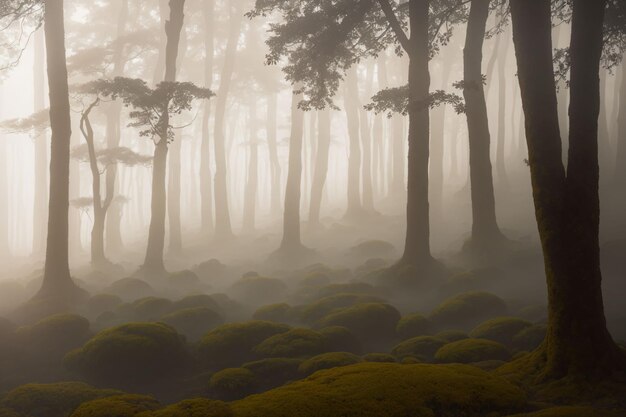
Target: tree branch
point(395, 25)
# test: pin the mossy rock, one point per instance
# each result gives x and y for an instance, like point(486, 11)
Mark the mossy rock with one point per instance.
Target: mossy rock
point(421, 347)
point(54, 336)
point(130, 354)
point(314, 311)
point(233, 383)
point(340, 339)
point(327, 361)
point(232, 344)
point(126, 405)
point(279, 313)
point(274, 372)
point(373, 323)
point(389, 390)
point(472, 350)
point(130, 289)
point(195, 301)
point(193, 322)
point(294, 343)
point(467, 310)
point(255, 290)
point(195, 407)
point(451, 335)
point(145, 309)
point(501, 329)
point(379, 357)
point(414, 325)
point(572, 411)
point(101, 303)
point(52, 400)
point(530, 338)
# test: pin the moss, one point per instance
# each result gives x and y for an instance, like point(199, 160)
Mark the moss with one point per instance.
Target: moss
point(340, 339)
point(274, 372)
point(347, 288)
point(126, 405)
point(193, 322)
point(372, 323)
point(423, 347)
point(472, 350)
point(233, 383)
point(101, 303)
point(195, 301)
point(467, 310)
point(257, 290)
point(130, 289)
point(145, 309)
point(327, 361)
point(231, 344)
point(292, 344)
point(388, 390)
point(195, 407)
point(413, 325)
point(130, 354)
point(312, 312)
point(314, 279)
point(7, 412)
point(379, 357)
point(572, 411)
point(54, 336)
point(52, 400)
point(451, 335)
point(184, 278)
point(501, 329)
point(280, 313)
point(530, 338)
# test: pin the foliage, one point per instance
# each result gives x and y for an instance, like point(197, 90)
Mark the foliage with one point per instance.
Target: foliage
point(35, 124)
point(354, 287)
point(233, 383)
point(501, 329)
point(127, 405)
point(396, 100)
point(315, 279)
point(327, 361)
point(193, 322)
point(467, 310)
point(196, 407)
point(420, 347)
point(413, 325)
point(472, 350)
point(112, 156)
point(292, 344)
point(389, 390)
point(100, 303)
point(571, 411)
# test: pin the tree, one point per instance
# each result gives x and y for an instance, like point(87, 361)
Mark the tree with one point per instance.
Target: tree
point(320, 171)
point(206, 191)
point(566, 200)
point(41, 150)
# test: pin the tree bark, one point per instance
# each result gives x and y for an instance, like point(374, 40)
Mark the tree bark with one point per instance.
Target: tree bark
point(206, 186)
point(501, 142)
point(321, 166)
point(351, 104)
point(5, 246)
point(437, 146)
point(566, 205)
point(40, 212)
point(620, 158)
point(272, 110)
point(366, 143)
point(252, 180)
point(486, 234)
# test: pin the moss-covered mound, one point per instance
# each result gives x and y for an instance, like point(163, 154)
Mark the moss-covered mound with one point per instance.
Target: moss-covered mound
point(530, 338)
point(280, 313)
point(195, 301)
point(193, 322)
point(314, 279)
point(572, 411)
point(130, 354)
point(101, 303)
point(340, 339)
point(420, 347)
point(379, 357)
point(56, 335)
point(196, 407)
point(292, 344)
point(467, 310)
point(388, 390)
point(451, 335)
point(372, 248)
point(126, 405)
point(501, 329)
point(414, 325)
point(472, 350)
point(274, 372)
point(145, 309)
point(51, 400)
point(256, 290)
point(232, 344)
point(346, 288)
point(130, 289)
point(327, 361)
point(372, 323)
point(233, 383)
point(312, 312)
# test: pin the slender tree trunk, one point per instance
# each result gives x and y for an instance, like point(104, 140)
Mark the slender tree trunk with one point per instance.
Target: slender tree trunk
point(485, 231)
point(366, 143)
point(206, 186)
point(501, 143)
point(378, 132)
point(252, 181)
point(57, 283)
point(272, 110)
point(397, 187)
point(40, 211)
point(223, 229)
point(604, 137)
point(620, 158)
point(454, 147)
point(156, 236)
point(321, 166)
point(5, 245)
point(351, 104)
point(437, 135)
point(566, 205)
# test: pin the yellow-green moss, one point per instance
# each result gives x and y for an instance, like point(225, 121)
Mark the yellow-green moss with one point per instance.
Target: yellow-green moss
point(327, 361)
point(193, 322)
point(320, 308)
point(258, 290)
point(56, 335)
point(340, 339)
point(126, 405)
point(292, 344)
point(233, 383)
point(280, 313)
point(572, 411)
point(467, 310)
point(413, 325)
point(472, 350)
point(196, 407)
point(145, 309)
point(501, 329)
point(273, 372)
point(379, 357)
point(195, 301)
point(422, 347)
point(452, 335)
point(530, 338)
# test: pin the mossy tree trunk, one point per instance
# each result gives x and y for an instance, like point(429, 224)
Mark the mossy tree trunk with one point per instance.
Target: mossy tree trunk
point(566, 203)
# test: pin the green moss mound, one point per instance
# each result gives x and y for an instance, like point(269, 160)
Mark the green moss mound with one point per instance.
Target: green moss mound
point(145, 309)
point(101, 303)
point(327, 361)
point(292, 344)
point(52, 400)
point(274, 372)
point(414, 325)
point(373, 323)
point(379, 357)
point(388, 390)
point(7, 412)
point(571, 411)
point(130, 289)
point(256, 290)
point(232, 344)
point(421, 347)
point(530, 338)
point(127, 405)
point(233, 383)
point(56, 335)
point(472, 350)
point(279, 313)
point(452, 335)
point(340, 339)
point(195, 301)
point(501, 329)
point(312, 312)
point(314, 279)
point(467, 310)
point(130, 354)
point(193, 322)
point(196, 407)
point(346, 288)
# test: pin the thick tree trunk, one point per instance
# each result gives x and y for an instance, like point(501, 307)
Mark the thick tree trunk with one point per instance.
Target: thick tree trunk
point(567, 206)
point(501, 142)
point(486, 234)
point(272, 110)
point(40, 211)
point(620, 158)
point(321, 166)
point(223, 228)
point(252, 180)
point(437, 146)
point(57, 282)
point(351, 104)
point(206, 186)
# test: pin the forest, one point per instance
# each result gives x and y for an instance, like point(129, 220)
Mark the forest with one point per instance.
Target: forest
point(312, 208)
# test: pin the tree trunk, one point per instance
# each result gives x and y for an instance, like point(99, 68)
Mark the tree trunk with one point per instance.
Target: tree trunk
point(40, 212)
point(620, 158)
point(567, 206)
point(223, 229)
point(366, 143)
point(604, 137)
point(252, 181)
point(57, 283)
point(351, 104)
point(486, 234)
point(272, 110)
point(437, 146)
point(206, 191)
point(321, 166)
point(500, 150)
point(4, 192)
point(378, 160)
